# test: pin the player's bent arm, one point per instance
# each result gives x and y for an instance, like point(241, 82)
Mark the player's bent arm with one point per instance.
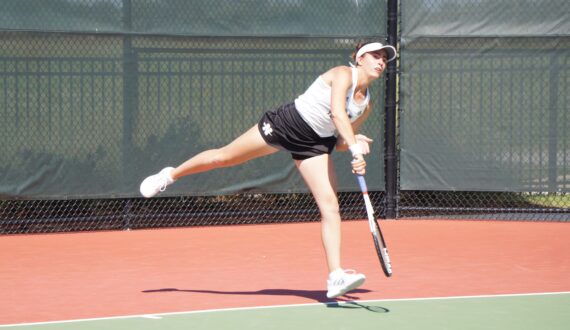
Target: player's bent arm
point(341, 144)
point(341, 81)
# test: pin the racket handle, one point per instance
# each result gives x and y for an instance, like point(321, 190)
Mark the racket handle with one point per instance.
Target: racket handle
point(362, 184)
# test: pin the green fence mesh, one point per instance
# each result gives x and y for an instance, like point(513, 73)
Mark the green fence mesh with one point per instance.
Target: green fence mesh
point(97, 94)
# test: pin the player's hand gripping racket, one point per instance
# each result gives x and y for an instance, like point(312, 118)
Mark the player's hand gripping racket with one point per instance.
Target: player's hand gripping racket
point(379, 243)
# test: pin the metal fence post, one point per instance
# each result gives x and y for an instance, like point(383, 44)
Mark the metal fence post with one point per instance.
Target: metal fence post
point(553, 124)
point(390, 155)
point(129, 102)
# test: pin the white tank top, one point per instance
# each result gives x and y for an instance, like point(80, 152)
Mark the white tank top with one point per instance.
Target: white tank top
point(314, 106)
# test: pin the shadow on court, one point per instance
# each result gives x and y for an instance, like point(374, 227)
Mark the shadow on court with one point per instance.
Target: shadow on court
point(355, 305)
point(317, 295)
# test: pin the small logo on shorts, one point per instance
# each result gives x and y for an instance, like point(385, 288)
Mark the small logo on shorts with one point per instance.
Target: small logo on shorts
point(267, 130)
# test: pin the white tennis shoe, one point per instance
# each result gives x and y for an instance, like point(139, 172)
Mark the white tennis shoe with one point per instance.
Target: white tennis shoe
point(342, 281)
point(157, 183)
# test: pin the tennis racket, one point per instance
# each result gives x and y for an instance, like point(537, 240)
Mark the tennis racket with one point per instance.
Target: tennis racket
point(379, 242)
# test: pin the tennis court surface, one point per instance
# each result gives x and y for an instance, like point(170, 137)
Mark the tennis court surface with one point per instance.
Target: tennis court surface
point(447, 274)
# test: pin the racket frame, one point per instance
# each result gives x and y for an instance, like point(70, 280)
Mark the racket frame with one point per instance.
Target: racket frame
point(377, 237)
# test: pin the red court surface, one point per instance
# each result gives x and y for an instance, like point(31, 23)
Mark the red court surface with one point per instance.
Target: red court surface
point(102, 274)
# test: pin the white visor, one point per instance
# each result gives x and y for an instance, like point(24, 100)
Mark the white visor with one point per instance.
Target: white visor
point(376, 46)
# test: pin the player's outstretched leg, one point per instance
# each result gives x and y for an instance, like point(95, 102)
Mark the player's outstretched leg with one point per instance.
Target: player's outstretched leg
point(246, 147)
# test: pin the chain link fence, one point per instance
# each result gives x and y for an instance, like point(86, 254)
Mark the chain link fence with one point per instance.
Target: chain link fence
point(46, 216)
point(483, 118)
point(95, 95)
point(99, 94)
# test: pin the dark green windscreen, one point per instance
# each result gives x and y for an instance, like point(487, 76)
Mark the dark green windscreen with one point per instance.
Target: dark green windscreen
point(484, 95)
point(96, 95)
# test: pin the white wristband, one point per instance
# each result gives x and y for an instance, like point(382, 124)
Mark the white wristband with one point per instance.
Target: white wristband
point(356, 149)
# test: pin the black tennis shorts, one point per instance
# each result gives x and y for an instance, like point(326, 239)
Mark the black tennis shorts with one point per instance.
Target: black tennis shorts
point(285, 129)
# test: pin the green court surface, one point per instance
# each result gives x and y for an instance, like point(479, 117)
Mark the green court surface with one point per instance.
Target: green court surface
point(548, 311)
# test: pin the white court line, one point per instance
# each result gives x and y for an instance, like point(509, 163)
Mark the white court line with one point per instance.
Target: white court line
point(153, 317)
point(159, 316)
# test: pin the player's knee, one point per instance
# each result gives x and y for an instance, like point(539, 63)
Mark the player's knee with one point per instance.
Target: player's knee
point(329, 206)
point(330, 212)
point(221, 158)
point(218, 158)
point(330, 216)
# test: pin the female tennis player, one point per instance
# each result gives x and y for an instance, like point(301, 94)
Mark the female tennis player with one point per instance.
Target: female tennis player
point(326, 116)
